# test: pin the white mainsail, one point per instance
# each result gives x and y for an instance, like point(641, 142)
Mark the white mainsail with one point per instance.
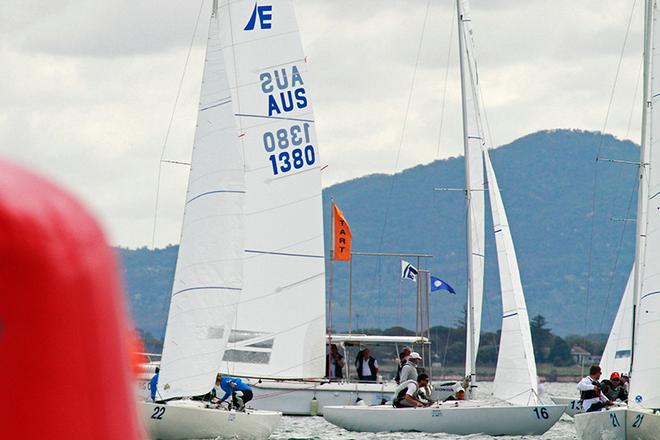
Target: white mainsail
point(645, 374)
point(617, 352)
point(209, 269)
point(515, 376)
point(279, 330)
point(474, 180)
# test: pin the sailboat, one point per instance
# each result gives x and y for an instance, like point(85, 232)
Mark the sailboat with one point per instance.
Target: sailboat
point(252, 238)
point(618, 349)
point(516, 409)
point(640, 420)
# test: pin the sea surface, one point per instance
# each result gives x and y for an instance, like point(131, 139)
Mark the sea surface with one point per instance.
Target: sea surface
point(318, 428)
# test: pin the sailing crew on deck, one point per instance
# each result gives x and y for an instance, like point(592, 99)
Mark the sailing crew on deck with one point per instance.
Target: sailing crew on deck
point(406, 394)
point(614, 389)
point(153, 384)
point(458, 395)
point(409, 369)
point(367, 366)
point(591, 396)
point(403, 358)
point(334, 364)
point(240, 392)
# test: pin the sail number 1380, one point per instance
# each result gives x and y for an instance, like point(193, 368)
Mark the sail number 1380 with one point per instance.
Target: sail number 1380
point(295, 151)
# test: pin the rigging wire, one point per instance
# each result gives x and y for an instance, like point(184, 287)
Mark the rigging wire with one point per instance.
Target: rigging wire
point(452, 19)
point(398, 155)
point(635, 104)
point(595, 179)
point(169, 125)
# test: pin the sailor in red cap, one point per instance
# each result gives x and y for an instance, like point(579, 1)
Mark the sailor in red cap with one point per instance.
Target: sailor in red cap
point(614, 389)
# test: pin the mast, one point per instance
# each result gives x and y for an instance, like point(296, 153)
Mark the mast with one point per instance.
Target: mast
point(642, 194)
point(474, 288)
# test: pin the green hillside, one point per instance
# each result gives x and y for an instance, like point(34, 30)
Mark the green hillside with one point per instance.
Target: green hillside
point(547, 183)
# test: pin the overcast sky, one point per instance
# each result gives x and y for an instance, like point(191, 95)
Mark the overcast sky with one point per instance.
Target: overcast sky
point(87, 88)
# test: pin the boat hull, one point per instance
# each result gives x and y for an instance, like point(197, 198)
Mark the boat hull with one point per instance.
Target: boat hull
point(618, 424)
point(295, 398)
point(573, 404)
point(181, 420)
point(450, 419)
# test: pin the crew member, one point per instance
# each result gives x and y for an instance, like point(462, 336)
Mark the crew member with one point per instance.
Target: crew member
point(334, 364)
point(409, 369)
point(153, 385)
point(406, 394)
point(403, 358)
point(458, 395)
point(367, 366)
point(591, 395)
point(240, 392)
point(613, 388)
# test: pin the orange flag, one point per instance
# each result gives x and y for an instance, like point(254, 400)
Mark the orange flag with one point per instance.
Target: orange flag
point(343, 235)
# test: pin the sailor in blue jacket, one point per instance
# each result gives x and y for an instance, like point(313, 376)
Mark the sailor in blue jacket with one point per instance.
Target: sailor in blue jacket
point(240, 391)
point(153, 385)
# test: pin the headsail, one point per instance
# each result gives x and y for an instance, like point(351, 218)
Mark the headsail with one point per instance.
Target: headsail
point(618, 350)
point(280, 324)
point(515, 376)
point(208, 278)
point(474, 180)
point(645, 374)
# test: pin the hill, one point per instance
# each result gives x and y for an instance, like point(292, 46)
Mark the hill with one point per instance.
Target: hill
point(555, 211)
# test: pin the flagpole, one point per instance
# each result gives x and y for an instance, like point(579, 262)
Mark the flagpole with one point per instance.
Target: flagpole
point(332, 242)
point(350, 295)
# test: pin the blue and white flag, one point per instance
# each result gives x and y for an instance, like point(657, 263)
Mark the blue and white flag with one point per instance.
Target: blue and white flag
point(408, 271)
point(438, 284)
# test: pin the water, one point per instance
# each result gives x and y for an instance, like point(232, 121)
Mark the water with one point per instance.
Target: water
point(317, 428)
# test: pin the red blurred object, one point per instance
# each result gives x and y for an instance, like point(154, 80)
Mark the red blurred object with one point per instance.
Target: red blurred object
point(65, 368)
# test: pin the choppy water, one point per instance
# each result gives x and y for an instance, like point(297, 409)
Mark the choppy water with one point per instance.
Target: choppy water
point(318, 428)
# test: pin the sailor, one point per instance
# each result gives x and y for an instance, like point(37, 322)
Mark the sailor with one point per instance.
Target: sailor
point(334, 364)
point(406, 394)
point(367, 366)
point(458, 395)
point(153, 385)
point(614, 388)
point(240, 392)
point(403, 358)
point(409, 369)
point(591, 396)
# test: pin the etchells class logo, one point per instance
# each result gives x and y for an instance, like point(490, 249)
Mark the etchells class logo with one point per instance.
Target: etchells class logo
point(264, 15)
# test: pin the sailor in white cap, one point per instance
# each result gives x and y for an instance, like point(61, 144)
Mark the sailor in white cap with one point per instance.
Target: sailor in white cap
point(409, 370)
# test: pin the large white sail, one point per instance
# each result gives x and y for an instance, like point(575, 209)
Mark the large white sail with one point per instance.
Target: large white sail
point(515, 376)
point(618, 350)
point(474, 178)
point(279, 330)
point(645, 374)
point(208, 277)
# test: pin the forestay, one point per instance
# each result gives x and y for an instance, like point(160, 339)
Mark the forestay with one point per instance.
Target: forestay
point(617, 352)
point(208, 277)
point(474, 177)
point(280, 323)
point(645, 375)
point(515, 376)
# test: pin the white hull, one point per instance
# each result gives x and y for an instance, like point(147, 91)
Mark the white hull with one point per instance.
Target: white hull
point(295, 398)
point(618, 424)
point(186, 419)
point(573, 405)
point(465, 419)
